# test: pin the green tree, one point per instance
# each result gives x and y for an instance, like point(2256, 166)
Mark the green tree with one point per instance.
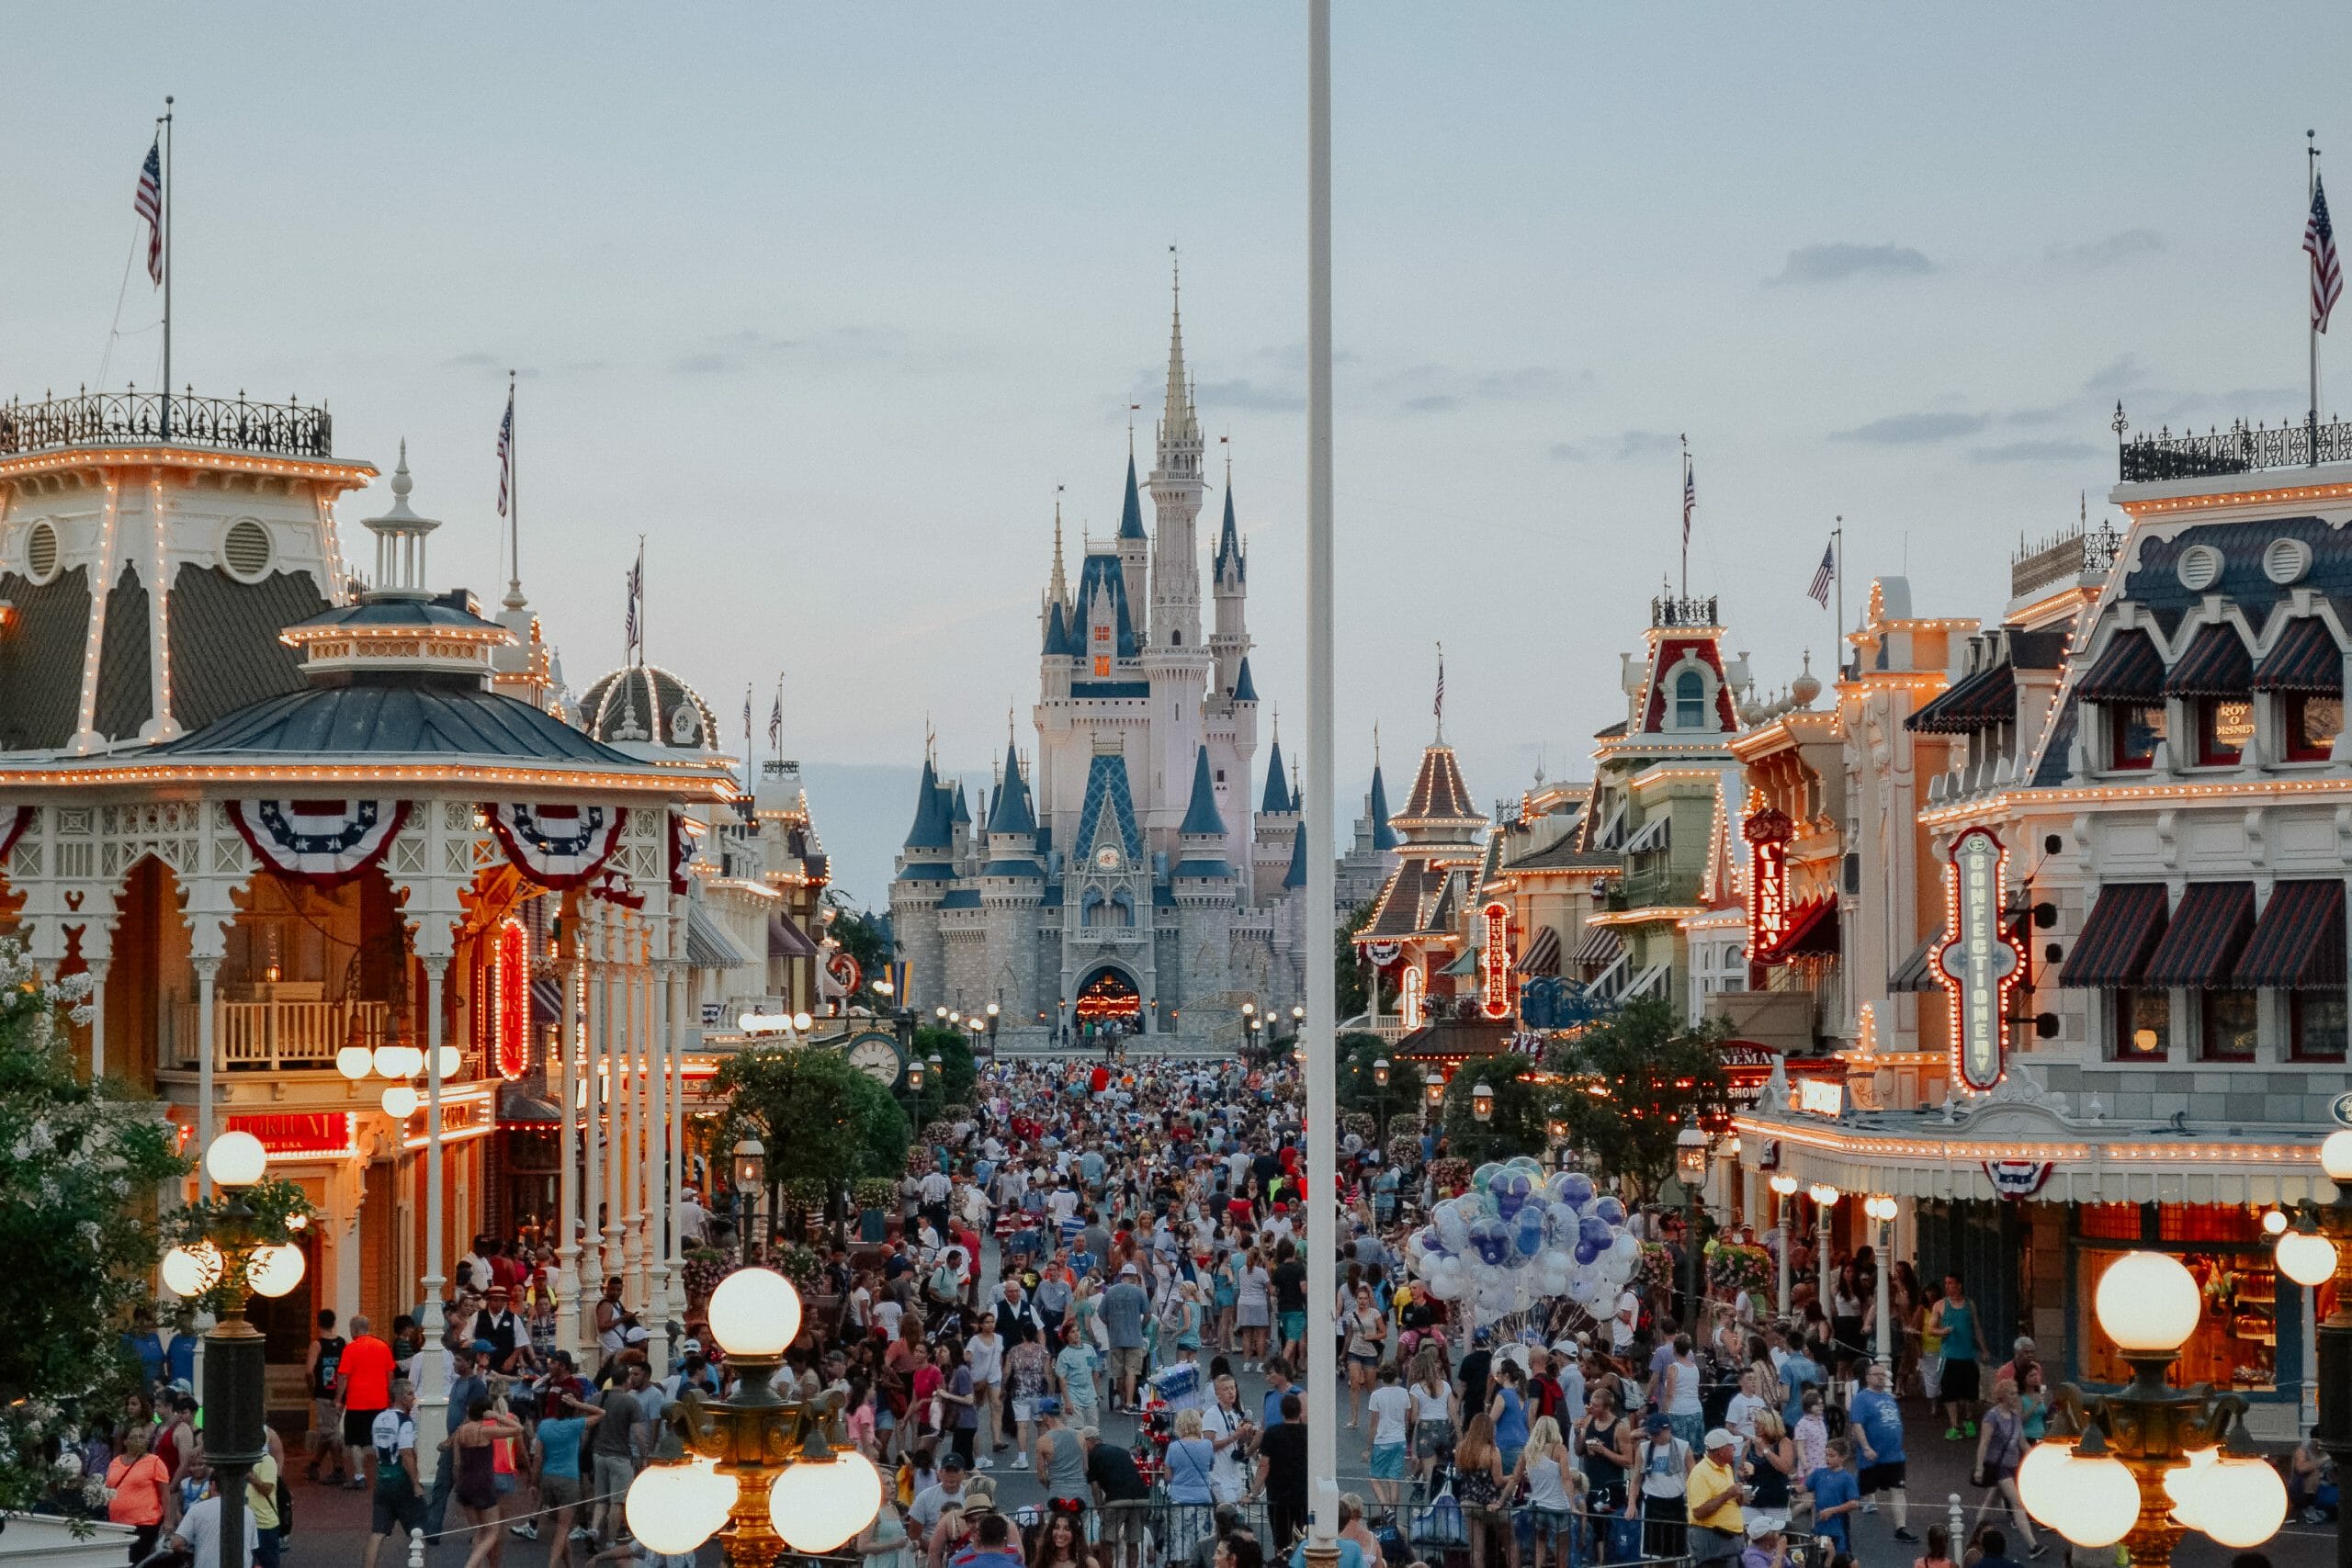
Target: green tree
point(80, 1164)
point(1522, 1111)
point(1358, 1050)
point(1349, 994)
point(1632, 1081)
point(818, 1115)
point(958, 1070)
point(860, 935)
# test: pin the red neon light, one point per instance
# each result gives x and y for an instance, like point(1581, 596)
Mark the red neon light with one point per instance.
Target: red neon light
point(1768, 833)
point(1979, 963)
point(317, 1133)
point(512, 988)
point(1494, 963)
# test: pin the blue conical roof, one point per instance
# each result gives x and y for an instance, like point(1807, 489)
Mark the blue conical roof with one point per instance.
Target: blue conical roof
point(961, 817)
point(1245, 690)
point(1131, 514)
point(1055, 630)
point(1384, 836)
point(1013, 813)
point(1277, 785)
point(932, 828)
point(1228, 544)
point(1201, 817)
point(1297, 876)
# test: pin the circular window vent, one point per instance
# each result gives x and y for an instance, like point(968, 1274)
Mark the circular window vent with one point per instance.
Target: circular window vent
point(2200, 567)
point(40, 551)
point(2286, 560)
point(246, 549)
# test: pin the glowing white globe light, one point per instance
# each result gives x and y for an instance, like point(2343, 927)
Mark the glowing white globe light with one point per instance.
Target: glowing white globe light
point(390, 1062)
point(191, 1271)
point(716, 1491)
point(451, 1060)
point(2181, 1483)
point(399, 1102)
point(2336, 1154)
point(2240, 1501)
point(801, 1021)
point(2044, 1462)
point(235, 1159)
point(2097, 1503)
point(664, 1509)
point(2274, 1220)
point(274, 1270)
point(755, 1312)
point(354, 1062)
point(2306, 1258)
point(817, 1506)
point(2146, 1301)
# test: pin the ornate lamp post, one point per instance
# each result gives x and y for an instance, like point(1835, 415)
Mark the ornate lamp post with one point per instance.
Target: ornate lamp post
point(2153, 1462)
point(1824, 1199)
point(234, 1244)
point(1433, 1087)
point(751, 1170)
point(994, 1009)
point(764, 1474)
point(1784, 1187)
point(1482, 1101)
point(2319, 1248)
point(1380, 1102)
point(1690, 1165)
point(1884, 1211)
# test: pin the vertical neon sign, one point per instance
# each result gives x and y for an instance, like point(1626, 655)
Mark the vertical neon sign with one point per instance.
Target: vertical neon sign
point(1979, 962)
point(1768, 833)
point(1495, 962)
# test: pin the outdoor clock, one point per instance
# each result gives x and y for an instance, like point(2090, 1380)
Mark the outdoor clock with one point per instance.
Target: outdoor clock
point(875, 1055)
point(1107, 858)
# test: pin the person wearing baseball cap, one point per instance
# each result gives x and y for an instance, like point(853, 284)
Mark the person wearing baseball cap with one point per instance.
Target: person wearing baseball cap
point(1713, 1495)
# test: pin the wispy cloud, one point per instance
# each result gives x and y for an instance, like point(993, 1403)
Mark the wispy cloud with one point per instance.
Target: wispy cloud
point(1567, 452)
point(2036, 452)
point(1914, 429)
point(1260, 397)
point(1433, 402)
point(2117, 376)
point(1644, 444)
point(488, 364)
point(1839, 263)
point(2113, 250)
point(834, 348)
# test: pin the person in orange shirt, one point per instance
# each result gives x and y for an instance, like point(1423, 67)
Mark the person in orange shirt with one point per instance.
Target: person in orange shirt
point(363, 1390)
point(138, 1493)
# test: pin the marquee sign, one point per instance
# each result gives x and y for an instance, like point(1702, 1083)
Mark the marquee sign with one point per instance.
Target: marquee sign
point(1979, 962)
point(1412, 989)
point(510, 994)
point(1768, 833)
point(557, 846)
point(1495, 962)
point(322, 842)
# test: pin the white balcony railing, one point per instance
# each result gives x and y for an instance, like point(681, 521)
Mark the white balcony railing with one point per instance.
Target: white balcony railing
point(302, 1035)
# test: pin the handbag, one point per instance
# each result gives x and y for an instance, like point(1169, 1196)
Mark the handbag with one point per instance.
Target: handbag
point(1445, 1525)
point(1624, 1538)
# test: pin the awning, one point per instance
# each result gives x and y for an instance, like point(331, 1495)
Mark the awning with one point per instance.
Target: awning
point(1652, 836)
point(1601, 947)
point(514, 1105)
point(1650, 982)
point(707, 944)
point(2216, 665)
point(1465, 965)
point(547, 1000)
point(1607, 837)
point(1988, 697)
point(1543, 955)
point(2207, 932)
point(786, 939)
point(2128, 671)
point(2299, 942)
point(2305, 659)
point(1917, 973)
point(1606, 984)
point(2123, 930)
point(1812, 931)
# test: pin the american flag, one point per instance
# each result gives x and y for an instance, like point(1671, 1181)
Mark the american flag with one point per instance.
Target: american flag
point(1689, 500)
point(1438, 706)
point(1823, 575)
point(636, 592)
point(747, 713)
point(2319, 239)
point(149, 204)
point(776, 717)
point(506, 449)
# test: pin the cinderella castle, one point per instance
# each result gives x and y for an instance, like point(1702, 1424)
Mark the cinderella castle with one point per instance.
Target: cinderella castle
point(1122, 879)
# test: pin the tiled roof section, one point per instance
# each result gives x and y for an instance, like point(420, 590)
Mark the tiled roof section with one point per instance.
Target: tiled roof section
point(1614, 732)
point(1566, 856)
point(1108, 688)
point(224, 649)
point(1100, 575)
point(961, 898)
point(2039, 650)
point(2155, 582)
point(1109, 807)
point(1013, 813)
point(1245, 689)
point(125, 698)
point(2304, 659)
point(1398, 912)
point(2131, 670)
point(1978, 702)
point(1202, 818)
point(1439, 794)
point(1228, 544)
point(40, 658)
point(1057, 634)
point(1384, 836)
point(1277, 799)
point(1131, 509)
point(397, 721)
point(2052, 769)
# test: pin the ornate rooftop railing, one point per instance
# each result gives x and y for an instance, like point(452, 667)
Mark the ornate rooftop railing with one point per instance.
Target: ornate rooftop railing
point(141, 419)
point(2242, 449)
point(1669, 611)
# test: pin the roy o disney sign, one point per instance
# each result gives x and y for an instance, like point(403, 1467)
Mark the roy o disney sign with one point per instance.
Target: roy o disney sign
point(1979, 962)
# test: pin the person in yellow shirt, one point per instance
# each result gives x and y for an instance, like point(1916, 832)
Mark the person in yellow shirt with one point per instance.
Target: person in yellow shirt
point(1718, 1528)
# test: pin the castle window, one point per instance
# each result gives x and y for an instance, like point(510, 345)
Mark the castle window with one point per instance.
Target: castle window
point(1102, 634)
point(1690, 701)
point(1101, 666)
point(1176, 637)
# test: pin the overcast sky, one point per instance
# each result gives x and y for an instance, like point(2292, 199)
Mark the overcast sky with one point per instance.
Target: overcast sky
point(826, 300)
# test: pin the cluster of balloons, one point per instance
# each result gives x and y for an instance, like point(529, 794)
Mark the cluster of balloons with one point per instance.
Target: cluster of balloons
point(1517, 1236)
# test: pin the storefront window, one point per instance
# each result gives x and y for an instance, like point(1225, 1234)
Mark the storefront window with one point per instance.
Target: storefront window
point(2312, 724)
point(2235, 1342)
point(2143, 1025)
point(2224, 726)
point(2136, 728)
point(2319, 1021)
point(2229, 1026)
point(2111, 1221)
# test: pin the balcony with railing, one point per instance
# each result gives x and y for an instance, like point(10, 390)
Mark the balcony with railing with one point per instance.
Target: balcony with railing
point(1672, 610)
point(275, 1034)
point(159, 419)
point(2240, 449)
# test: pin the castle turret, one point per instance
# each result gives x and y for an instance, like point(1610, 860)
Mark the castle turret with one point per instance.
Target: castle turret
point(1176, 491)
point(1276, 826)
point(1228, 581)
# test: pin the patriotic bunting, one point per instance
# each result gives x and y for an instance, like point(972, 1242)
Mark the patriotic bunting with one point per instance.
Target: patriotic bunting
point(1380, 954)
point(557, 846)
point(681, 849)
point(2018, 1178)
point(20, 818)
point(322, 842)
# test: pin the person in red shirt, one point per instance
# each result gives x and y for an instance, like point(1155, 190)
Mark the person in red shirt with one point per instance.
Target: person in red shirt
point(1099, 1079)
point(363, 1390)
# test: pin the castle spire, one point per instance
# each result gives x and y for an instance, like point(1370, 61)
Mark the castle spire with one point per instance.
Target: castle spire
point(1058, 590)
point(1176, 414)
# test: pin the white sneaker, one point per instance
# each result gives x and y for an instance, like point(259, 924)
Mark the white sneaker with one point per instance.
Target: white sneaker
point(985, 1462)
point(1869, 1507)
point(1020, 1461)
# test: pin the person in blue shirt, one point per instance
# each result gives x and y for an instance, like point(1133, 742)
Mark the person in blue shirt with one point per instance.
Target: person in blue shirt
point(141, 1340)
point(1837, 1497)
point(179, 1356)
point(1877, 1428)
point(1799, 1369)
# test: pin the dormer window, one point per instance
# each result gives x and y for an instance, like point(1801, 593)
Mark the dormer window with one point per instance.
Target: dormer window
point(2127, 686)
point(2215, 677)
point(2312, 723)
point(2304, 669)
point(1690, 701)
point(2224, 726)
point(2136, 728)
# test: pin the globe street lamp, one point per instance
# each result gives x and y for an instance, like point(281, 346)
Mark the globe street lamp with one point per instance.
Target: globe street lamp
point(1784, 1187)
point(1690, 1165)
point(1380, 1103)
point(2153, 1462)
point(2317, 1247)
point(764, 1474)
point(1433, 1085)
point(1824, 1199)
point(1482, 1101)
point(750, 1167)
point(236, 1244)
point(1884, 1211)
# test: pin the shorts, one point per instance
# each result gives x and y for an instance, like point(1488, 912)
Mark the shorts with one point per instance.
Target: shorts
point(1960, 1381)
point(1126, 1364)
point(1294, 1326)
point(1122, 1524)
point(1357, 1358)
point(398, 1511)
point(324, 1422)
point(1434, 1440)
point(1025, 1410)
point(559, 1490)
point(613, 1474)
point(1882, 1477)
point(1997, 1473)
point(360, 1428)
point(1388, 1461)
point(1548, 1524)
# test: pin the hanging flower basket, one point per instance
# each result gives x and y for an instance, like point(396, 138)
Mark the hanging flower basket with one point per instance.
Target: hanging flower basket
point(1733, 1267)
point(1450, 1174)
point(1656, 1272)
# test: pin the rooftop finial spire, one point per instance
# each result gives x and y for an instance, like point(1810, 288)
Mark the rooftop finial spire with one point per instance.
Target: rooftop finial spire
point(1176, 413)
point(1059, 590)
point(1438, 706)
point(1375, 743)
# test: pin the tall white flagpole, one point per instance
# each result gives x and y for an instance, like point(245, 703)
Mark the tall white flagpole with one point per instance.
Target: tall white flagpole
point(170, 223)
point(1322, 1169)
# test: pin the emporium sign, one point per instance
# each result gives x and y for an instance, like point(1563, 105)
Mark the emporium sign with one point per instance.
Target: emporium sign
point(1768, 833)
point(1979, 963)
point(1495, 962)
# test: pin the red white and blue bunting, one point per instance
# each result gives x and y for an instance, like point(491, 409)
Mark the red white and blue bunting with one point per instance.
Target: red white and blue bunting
point(554, 845)
point(19, 818)
point(1381, 953)
point(322, 842)
point(681, 849)
point(2018, 1178)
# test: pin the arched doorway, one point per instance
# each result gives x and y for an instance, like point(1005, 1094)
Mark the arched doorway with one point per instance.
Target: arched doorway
point(1108, 998)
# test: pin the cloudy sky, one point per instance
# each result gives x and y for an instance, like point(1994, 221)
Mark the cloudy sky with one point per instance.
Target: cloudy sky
point(825, 300)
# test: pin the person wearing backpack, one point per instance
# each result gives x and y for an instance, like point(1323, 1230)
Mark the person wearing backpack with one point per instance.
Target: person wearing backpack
point(326, 1420)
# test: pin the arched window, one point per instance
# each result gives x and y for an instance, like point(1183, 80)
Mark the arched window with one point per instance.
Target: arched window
point(1690, 701)
point(1123, 908)
point(1089, 909)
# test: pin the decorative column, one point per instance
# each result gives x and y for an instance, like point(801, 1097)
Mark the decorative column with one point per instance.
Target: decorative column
point(428, 1370)
point(98, 967)
point(674, 1143)
point(633, 1239)
point(615, 1050)
point(592, 1038)
point(208, 970)
point(567, 1252)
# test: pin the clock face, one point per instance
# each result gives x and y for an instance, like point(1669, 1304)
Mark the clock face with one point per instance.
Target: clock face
point(1107, 857)
point(877, 1058)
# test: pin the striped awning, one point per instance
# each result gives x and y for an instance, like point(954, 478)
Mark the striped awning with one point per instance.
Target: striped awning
point(1988, 697)
point(2124, 927)
point(786, 939)
point(2299, 942)
point(707, 944)
point(2305, 659)
point(1917, 973)
point(1543, 955)
point(1650, 982)
point(1652, 836)
point(547, 1000)
point(1812, 931)
point(2207, 932)
point(2128, 671)
point(1601, 947)
point(2216, 665)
